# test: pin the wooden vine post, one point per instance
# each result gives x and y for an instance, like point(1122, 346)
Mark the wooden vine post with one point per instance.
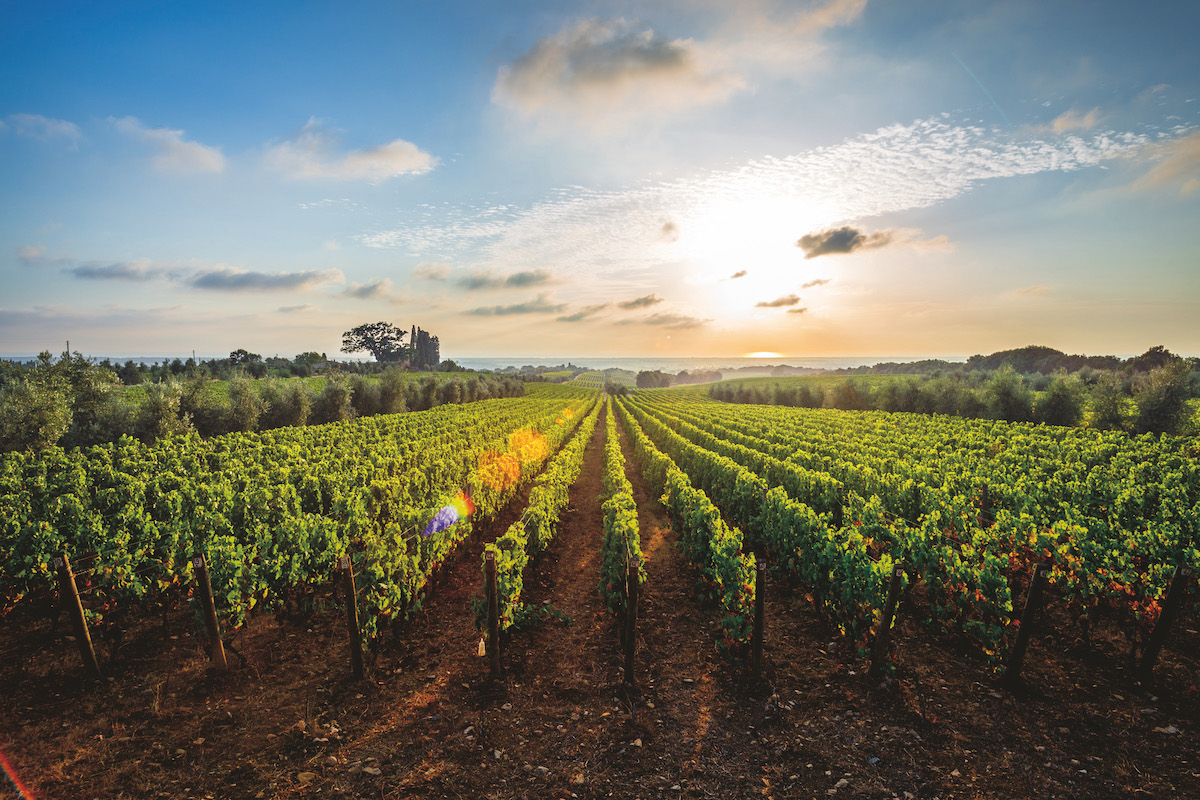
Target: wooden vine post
point(356, 655)
point(493, 611)
point(68, 593)
point(1033, 603)
point(1175, 596)
point(204, 585)
point(631, 612)
point(884, 636)
point(756, 635)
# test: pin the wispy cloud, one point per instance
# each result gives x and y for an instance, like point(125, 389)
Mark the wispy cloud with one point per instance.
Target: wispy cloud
point(432, 271)
point(779, 302)
point(173, 153)
point(741, 273)
point(1037, 290)
point(312, 153)
point(378, 289)
point(641, 302)
point(667, 320)
point(232, 279)
point(35, 126)
point(138, 271)
point(485, 279)
point(894, 169)
point(586, 312)
point(816, 282)
point(797, 310)
point(1178, 168)
point(539, 305)
point(848, 239)
point(306, 308)
point(1073, 120)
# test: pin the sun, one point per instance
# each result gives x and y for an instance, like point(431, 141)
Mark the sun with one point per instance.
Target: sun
point(764, 354)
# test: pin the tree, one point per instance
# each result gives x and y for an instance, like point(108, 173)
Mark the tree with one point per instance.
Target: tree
point(309, 358)
point(653, 379)
point(241, 356)
point(1108, 403)
point(1061, 403)
point(383, 340)
point(1008, 397)
point(1162, 402)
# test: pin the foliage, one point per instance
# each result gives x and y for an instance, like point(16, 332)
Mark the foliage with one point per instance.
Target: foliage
point(1163, 401)
point(653, 379)
point(622, 541)
point(1061, 403)
point(383, 340)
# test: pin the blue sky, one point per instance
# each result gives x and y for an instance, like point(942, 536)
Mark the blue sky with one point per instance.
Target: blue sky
point(839, 177)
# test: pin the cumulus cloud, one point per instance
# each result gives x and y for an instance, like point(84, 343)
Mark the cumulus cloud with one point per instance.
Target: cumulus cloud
point(140, 270)
point(641, 302)
point(431, 271)
point(312, 153)
point(539, 305)
point(1178, 167)
point(779, 302)
point(816, 282)
point(232, 279)
point(173, 153)
point(36, 126)
point(380, 288)
point(848, 239)
point(741, 273)
point(485, 279)
point(584, 313)
point(610, 71)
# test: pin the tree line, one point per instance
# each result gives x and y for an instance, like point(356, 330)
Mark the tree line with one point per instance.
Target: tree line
point(73, 402)
point(1152, 402)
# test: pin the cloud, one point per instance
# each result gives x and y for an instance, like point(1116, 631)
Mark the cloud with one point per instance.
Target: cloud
point(584, 313)
point(899, 168)
point(380, 288)
point(1072, 120)
point(231, 279)
point(174, 154)
point(641, 302)
point(311, 154)
point(35, 126)
point(672, 321)
point(484, 279)
point(848, 239)
point(1037, 290)
point(539, 305)
point(779, 302)
point(431, 271)
point(816, 282)
point(140, 270)
point(670, 232)
point(741, 273)
point(797, 310)
point(33, 254)
point(306, 308)
point(1178, 169)
point(610, 72)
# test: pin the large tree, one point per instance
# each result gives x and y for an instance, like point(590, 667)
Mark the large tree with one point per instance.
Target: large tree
point(383, 339)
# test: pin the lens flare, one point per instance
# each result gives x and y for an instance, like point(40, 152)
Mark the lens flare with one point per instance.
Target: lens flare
point(22, 790)
point(527, 446)
point(499, 471)
point(460, 508)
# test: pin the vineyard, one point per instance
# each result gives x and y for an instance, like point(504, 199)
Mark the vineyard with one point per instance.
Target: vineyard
point(622, 561)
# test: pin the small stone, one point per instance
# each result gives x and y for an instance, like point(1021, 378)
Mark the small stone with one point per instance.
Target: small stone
point(637, 742)
point(181, 752)
point(1167, 729)
point(955, 774)
point(355, 770)
point(578, 779)
point(375, 771)
point(842, 784)
point(331, 761)
point(506, 707)
point(306, 777)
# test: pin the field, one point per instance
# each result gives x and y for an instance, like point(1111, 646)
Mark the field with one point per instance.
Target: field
point(829, 509)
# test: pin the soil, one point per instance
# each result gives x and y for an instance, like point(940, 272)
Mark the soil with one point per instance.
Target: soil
point(288, 721)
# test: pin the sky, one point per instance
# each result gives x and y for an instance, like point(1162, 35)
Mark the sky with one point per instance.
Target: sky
point(591, 179)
